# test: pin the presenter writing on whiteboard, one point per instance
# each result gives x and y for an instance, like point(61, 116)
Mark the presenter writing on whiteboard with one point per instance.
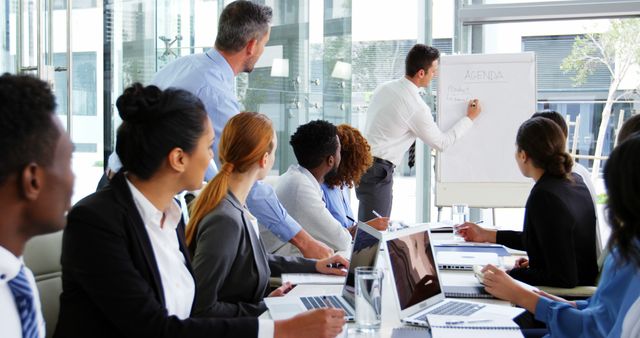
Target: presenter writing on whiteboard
point(397, 115)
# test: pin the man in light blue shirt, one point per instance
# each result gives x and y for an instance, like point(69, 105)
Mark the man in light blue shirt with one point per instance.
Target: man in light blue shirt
point(210, 76)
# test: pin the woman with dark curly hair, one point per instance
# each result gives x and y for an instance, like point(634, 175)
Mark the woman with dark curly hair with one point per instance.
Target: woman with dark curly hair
point(356, 159)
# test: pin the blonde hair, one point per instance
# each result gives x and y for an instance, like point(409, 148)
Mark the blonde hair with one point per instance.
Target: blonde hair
point(244, 141)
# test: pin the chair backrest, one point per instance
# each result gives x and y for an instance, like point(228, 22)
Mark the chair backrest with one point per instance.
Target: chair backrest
point(42, 256)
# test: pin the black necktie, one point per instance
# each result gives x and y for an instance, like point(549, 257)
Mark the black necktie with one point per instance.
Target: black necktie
point(412, 155)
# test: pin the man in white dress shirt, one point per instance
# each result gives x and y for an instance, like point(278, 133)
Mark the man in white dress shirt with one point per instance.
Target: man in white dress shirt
point(397, 115)
point(317, 149)
point(36, 183)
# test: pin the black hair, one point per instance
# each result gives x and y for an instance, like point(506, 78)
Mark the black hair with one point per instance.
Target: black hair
point(555, 117)
point(630, 127)
point(29, 132)
point(153, 123)
point(420, 57)
point(544, 142)
point(622, 180)
point(313, 142)
point(240, 22)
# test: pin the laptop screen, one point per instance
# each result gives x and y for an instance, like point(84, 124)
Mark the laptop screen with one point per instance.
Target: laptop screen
point(414, 269)
point(364, 253)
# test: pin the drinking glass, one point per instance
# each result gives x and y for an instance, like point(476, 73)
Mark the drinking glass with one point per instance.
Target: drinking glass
point(368, 298)
point(459, 215)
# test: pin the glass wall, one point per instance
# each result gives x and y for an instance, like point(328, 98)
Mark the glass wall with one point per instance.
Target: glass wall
point(324, 60)
point(44, 39)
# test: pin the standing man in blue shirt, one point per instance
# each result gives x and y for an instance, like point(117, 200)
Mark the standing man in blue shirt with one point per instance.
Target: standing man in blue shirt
point(243, 32)
point(36, 183)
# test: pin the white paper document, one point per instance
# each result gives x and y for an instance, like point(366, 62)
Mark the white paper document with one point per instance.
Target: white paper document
point(479, 327)
point(311, 278)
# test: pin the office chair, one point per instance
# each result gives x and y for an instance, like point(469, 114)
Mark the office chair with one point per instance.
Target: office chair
point(42, 256)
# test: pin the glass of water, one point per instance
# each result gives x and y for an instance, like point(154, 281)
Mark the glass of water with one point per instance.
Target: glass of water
point(459, 215)
point(368, 298)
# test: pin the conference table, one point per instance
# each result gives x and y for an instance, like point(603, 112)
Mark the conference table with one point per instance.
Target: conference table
point(390, 310)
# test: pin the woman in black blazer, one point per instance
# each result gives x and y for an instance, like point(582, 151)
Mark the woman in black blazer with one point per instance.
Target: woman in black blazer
point(559, 232)
point(120, 276)
point(231, 266)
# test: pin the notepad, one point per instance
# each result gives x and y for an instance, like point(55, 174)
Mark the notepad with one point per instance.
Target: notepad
point(410, 332)
point(476, 327)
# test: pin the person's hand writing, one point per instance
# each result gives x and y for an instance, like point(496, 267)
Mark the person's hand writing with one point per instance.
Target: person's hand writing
point(334, 265)
point(282, 290)
point(379, 223)
point(320, 323)
point(473, 109)
point(472, 232)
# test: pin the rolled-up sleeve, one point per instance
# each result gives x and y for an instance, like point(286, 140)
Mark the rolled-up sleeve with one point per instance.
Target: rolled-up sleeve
point(425, 128)
point(265, 206)
point(563, 320)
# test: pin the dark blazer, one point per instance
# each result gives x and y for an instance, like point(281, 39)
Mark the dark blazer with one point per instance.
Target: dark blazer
point(110, 279)
point(559, 234)
point(231, 266)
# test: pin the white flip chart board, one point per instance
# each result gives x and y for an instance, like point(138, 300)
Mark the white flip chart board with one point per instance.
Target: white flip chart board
point(480, 168)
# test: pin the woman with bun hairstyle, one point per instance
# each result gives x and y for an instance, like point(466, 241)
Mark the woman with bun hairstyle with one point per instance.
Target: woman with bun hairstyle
point(231, 266)
point(125, 266)
point(559, 233)
point(614, 309)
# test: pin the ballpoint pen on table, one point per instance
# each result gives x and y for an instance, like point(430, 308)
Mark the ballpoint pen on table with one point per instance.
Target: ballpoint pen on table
point(458, 322)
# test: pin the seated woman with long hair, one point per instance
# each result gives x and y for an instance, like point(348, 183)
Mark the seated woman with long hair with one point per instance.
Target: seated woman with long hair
point(231, 266)
point(356, 159)
point(559, 231)
point(614, 310)
point(125, 267)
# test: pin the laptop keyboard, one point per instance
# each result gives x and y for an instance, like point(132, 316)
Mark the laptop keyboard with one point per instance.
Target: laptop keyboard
point(319, 302)
point(454, 309)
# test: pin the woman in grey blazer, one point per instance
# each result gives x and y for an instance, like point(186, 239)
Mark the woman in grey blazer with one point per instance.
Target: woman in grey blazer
point(231, 266)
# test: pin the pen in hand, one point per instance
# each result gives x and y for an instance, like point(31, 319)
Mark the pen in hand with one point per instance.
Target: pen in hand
point(376, 213)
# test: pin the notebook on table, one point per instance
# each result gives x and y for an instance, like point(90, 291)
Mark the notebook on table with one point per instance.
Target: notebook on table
point(364, 252)
point(416, 281)
point(410, 332)
point(489, 327)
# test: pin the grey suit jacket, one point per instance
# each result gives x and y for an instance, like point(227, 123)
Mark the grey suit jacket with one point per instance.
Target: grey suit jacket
point(231, 266)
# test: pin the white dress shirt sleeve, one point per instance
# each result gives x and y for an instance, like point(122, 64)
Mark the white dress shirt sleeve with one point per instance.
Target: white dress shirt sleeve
point(266, 328)
point(425, 128)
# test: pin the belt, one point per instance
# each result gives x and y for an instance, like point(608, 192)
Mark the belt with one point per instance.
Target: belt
point(383, 161)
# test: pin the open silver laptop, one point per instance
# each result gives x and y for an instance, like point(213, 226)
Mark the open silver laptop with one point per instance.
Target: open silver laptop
point(461, 260)
point(364, 252)
point(417, 284)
